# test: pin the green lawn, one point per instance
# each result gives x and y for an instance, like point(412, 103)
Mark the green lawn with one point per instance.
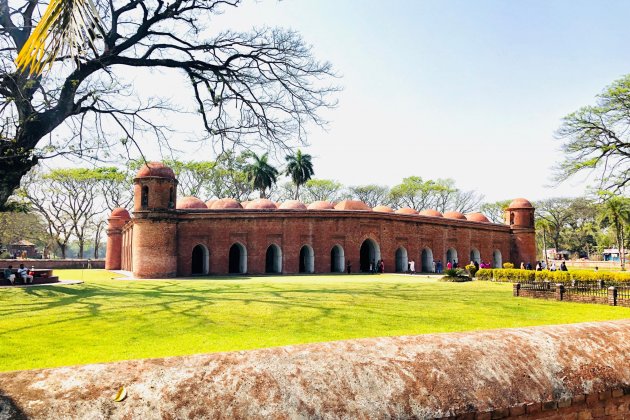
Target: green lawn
point(105, 320)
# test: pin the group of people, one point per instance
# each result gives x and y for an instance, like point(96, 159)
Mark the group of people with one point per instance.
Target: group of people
point(542, 265)
point(21, 272)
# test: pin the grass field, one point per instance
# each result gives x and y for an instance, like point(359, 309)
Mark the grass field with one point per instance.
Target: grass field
point(106, 320)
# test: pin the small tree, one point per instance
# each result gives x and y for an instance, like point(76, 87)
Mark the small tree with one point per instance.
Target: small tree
point(616, 213)
point(300, 169)
point(260, 173)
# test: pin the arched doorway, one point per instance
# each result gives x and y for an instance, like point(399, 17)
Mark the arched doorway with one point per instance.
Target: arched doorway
point(307, 260)
point(199, 260)
point(475, 255)
point(451, 255)
point(273, 259)
point(337, 259)
point(427, 260)
point(401, 260)
point(497, 259)
point(238, 259)
point(369, 253)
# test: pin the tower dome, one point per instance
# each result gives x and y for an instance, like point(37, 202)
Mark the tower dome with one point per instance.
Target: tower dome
point(155, 169)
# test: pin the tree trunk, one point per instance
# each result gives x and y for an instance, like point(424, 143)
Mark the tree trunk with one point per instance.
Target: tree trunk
point(81, 245)
point(12, 169)
point(62, 248)
point(297, 191)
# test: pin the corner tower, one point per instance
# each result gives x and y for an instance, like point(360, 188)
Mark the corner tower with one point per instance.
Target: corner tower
point(154, 241)
point(113, 255)
point(520, 217)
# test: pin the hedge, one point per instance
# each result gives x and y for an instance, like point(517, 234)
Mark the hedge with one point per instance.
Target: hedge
point(515, 275)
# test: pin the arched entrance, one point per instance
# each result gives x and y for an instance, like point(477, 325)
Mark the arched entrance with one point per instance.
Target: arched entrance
point(238, 259)
point(475, 255)
point(337, 259)
point(273, 259)
point(200, 260)
point(497, 259)
point(427, 260)
point(451, 255)
point(401, 260)
point(369, 252)
point(307, 260)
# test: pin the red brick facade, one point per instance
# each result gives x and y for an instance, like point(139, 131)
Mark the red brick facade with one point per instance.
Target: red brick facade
point(163, 241)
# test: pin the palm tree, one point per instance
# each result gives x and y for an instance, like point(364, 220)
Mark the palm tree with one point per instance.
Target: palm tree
point(260, 173)
point(300, 169)
point(616, 213)
point(67, 28)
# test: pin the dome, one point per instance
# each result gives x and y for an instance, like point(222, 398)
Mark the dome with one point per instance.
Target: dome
point(261, 204)
point(352, 205)
point(292, 205)
point(226, 203)
point(406, 210)
point(383, 209)
point(121, 213)
point(454, 215)
point(209, 203)
point(431, 213)
point(157, 169)
point(520, 203)
point(477, 217)
point(190, 203)
point(321, 205)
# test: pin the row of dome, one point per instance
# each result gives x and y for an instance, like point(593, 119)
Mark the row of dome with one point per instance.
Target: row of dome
point(265, 204)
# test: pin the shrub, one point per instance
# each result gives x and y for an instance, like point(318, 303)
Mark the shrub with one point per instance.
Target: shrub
point(5, 255)
point(514, 275)
point(456, 275)
point(508, 265)
point(472, 269)
point(484, 274)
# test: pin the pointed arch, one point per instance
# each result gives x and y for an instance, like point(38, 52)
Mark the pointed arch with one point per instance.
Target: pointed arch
point(237, 263)
point(307, 259)
point(273, 259)
point(200, 260)
point(337, 259)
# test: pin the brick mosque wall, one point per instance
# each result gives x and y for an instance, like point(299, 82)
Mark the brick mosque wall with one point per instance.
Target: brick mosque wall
point(40, 263)
point(577, 371)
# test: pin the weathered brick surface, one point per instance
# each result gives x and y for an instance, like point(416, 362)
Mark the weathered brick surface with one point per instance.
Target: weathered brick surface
point(488, 374)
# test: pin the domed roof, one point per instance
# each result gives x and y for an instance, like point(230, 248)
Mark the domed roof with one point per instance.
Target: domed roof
point(520, 203)
point(261, 204)
point(292, 205)
point(430, 212)
point(226, 203)
point(321, 205)
point(383, 209)
point(454, 215)
point(157, 169)
point(121, 213)
point(406, 210)
point(190, 203)
point(209, 203)
point(477, 217)
point(352, 205)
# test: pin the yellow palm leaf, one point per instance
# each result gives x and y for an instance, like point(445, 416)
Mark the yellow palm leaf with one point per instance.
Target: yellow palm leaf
point(67, 28)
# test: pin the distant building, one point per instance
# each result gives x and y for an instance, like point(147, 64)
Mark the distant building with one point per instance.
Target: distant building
point(554, 254)
point(612, 254)
point(170, 237)
point(23, 249)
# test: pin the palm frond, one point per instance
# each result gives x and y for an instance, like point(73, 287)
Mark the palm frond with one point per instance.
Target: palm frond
point(67, 27)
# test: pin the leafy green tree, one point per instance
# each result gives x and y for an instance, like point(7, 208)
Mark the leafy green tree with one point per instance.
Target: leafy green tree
point(260, 173)
point(597, 138)
point(300, 169)
point(322, 190)
point(495, 212)
point(372, 195)
point(15, 226)
point(556, 212)
point(414, 192)
point(615, 213)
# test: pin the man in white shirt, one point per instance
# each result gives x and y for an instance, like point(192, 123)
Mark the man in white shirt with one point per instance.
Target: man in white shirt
point(23, 272)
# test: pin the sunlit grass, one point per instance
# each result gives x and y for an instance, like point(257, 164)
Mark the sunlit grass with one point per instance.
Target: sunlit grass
point(106, 319)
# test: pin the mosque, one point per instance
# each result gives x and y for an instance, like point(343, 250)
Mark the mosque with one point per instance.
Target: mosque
point(170, 237)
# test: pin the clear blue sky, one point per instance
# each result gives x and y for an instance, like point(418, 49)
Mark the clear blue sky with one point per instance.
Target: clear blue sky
point(471, 90)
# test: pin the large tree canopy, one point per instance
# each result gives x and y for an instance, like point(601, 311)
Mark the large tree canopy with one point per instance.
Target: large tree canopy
point(597, 138)
point(250, 89)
